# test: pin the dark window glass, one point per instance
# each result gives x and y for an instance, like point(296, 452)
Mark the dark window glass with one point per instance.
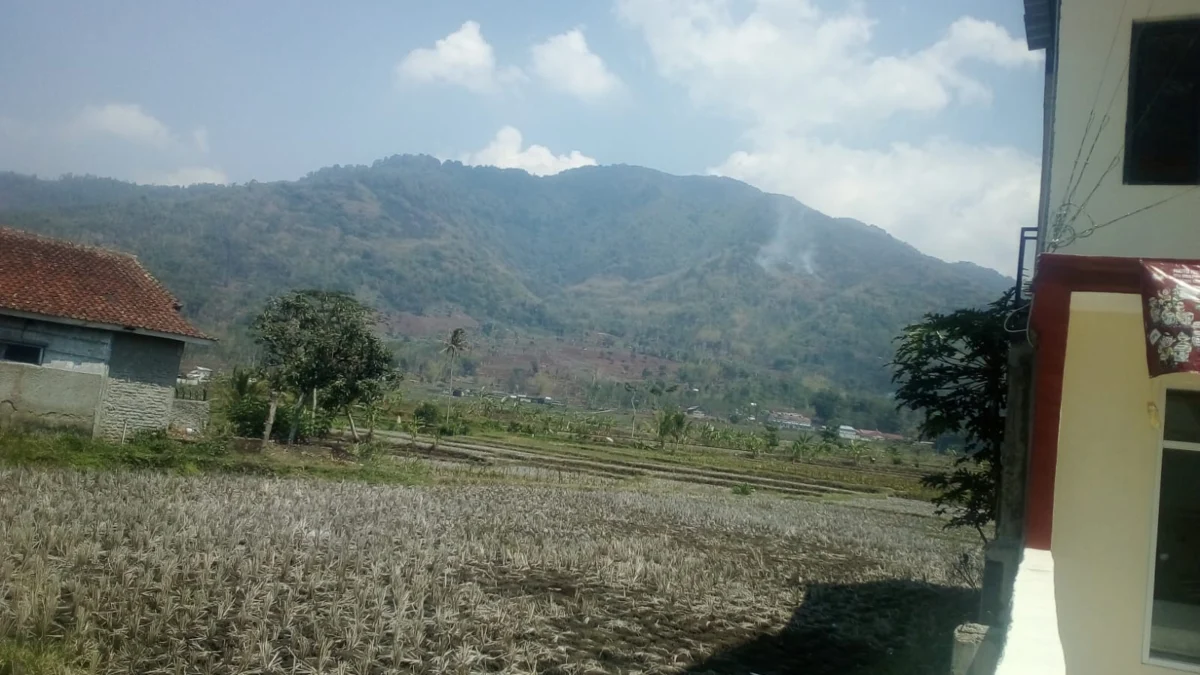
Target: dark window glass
point(1162, 135)
point(1175, 616)
point(20, 353)
point(1182, 421)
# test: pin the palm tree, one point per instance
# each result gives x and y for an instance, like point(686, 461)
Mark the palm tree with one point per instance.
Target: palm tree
point(453, 346)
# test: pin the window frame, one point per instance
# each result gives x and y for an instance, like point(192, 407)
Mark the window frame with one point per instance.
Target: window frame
point(41, 349)
point(1136, 30)
point(1147, 624)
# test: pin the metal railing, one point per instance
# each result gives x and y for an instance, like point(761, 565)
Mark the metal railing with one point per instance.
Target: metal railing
point(191, 392)
point(1026, 261)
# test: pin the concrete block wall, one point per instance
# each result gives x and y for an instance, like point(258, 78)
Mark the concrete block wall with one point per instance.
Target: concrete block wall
point(140, 391)
point(36, 397)
point(189, 415)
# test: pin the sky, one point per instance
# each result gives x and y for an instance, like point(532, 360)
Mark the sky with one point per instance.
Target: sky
point(923, 118)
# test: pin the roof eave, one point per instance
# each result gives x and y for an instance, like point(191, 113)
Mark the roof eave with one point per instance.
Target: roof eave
point(178, 337)
point(1041, 17)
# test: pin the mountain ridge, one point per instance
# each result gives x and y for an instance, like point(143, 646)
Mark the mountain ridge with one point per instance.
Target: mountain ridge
point(692, 268)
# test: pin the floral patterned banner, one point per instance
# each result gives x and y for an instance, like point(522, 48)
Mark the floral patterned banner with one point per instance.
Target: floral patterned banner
point(1170, 297)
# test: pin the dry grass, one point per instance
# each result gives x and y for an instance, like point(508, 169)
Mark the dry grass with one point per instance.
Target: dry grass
point(116, 572)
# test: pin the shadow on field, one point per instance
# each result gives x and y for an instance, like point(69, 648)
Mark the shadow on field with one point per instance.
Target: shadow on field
point(877, 628)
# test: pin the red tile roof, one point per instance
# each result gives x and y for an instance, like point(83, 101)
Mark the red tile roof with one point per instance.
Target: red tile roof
point(57, 278)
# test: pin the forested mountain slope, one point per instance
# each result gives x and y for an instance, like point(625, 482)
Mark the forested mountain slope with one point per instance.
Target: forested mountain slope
point(697, 269)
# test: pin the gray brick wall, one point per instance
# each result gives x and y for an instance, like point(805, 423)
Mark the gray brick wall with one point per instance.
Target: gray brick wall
point(189, 415)
point(141, 385)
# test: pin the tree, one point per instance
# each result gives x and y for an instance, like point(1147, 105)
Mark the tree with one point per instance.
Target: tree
point(771, 437)
point(827, 404)
point(671, 425)
point(321, 341)
point(453, 346)
point(952, 370)
point(829, 432)
point(805, 446)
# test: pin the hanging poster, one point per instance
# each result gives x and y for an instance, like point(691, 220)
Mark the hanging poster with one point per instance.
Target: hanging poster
point(1170, 297)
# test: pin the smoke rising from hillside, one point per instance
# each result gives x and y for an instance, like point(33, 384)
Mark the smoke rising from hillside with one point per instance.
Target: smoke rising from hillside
point(792, 248)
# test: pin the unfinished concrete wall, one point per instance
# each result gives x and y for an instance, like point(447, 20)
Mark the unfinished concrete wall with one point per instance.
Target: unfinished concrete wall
point(141, 385)
point(35, 397)
point(189, 415)
point(84, 350)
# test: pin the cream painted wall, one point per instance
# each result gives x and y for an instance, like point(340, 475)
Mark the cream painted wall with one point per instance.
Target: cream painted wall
point(1104, 490)
point(1086, 31)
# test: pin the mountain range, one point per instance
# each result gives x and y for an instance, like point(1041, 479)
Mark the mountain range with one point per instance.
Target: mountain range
point(694, 269)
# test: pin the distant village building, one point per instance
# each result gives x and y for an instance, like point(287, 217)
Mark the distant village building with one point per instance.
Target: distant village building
point(197, 375)
point(89, 341)
point(791, 420)
point(847, 432)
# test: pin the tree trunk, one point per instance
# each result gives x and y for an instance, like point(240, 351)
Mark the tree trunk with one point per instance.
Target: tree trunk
point(450, 394)
point(633, 420)
point(270, 418)
point(353, 429)
point(296, 413)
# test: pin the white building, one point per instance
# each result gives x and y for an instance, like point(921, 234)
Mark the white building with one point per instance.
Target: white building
point(1110, 579)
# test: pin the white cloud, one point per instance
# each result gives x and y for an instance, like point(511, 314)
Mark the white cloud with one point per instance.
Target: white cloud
point(120, 140)
point(506, 151)
point(125, 121)
point(192, 175)
point(790, 66)
point(801, 78)
point(463, 58)
point(950, 200)
point(566, 63)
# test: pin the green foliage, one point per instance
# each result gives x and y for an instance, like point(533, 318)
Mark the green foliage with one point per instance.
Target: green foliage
point(953, 369)
point(701, 270)
point(248, 417)
point(771, 437)
point(427, 416)
point(742, 489)
point(671, 425)
point(322, 341)
point(154, 451)
point(827, 404)
point(805, 447)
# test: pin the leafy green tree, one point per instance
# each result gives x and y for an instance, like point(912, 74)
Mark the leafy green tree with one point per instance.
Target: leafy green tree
point(827, 404)
point(952, 369)
point(771, 437)
point(321, 341)
point(427, 416)
point(829, 432)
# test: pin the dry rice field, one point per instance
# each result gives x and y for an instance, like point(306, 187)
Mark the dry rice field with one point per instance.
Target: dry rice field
point(119, 572)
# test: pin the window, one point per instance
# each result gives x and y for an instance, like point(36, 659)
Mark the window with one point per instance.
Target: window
point(1162, 127)
point(10, 351)
point(1175, 601)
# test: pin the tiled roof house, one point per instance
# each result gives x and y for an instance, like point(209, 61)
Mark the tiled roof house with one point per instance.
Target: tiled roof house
point(88, 339)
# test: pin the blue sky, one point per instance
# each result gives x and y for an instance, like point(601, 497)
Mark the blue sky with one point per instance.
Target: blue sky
point(920, 117)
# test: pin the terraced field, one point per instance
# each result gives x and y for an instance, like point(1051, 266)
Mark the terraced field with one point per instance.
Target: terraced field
point(703, 467)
